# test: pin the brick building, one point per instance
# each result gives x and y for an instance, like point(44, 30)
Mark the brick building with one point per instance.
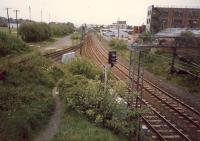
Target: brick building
point(139, 29)
point(159, 18)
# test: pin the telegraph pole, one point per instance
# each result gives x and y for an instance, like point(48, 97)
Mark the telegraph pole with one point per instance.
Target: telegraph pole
point(30, 13)
point(8, 19)
point(118, 27)
point(174, 54)
point(49, 17)
point(16, 11)
point(41, 15)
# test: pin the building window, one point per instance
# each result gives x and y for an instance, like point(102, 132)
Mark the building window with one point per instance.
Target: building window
point(177, 23)
point(193, 23)
point(178, 13)
point(164, 21)
point(193, 14)
point(149, 20)
point(165, 13)
point(150, 12)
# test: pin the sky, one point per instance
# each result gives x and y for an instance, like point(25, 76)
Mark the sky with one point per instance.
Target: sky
point(89, 11)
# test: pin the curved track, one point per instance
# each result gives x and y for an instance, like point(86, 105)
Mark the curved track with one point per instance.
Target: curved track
point(186, 119)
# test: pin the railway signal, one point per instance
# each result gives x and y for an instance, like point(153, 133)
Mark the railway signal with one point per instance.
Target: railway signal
point(112, 58)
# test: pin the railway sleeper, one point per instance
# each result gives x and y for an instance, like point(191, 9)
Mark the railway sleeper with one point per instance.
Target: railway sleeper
point(154, 121)
point(150, 117)
point(159, 126)
point(167, 137)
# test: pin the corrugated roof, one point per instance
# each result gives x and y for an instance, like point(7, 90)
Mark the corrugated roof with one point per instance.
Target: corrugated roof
point(176, 32)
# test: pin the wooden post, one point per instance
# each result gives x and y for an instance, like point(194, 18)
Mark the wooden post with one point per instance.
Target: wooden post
point(173, 61)
point(17, 22)
point(138, 73)
point(8, 20)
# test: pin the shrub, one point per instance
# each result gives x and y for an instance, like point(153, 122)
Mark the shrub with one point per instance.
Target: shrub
point(86, 95)
point(25, 98)
point(76, 36)
point(11, 44)
point(188, 39)
point(146, 37)
point(118, 44)
point(33, 32)
point(81, 66)
point(61, 29)
point(101, 107)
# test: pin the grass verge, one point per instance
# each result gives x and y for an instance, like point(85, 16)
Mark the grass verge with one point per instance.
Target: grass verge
point(75, 127)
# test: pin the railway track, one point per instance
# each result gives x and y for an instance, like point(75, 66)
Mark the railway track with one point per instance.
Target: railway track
point(57, 56)
point(187, 126)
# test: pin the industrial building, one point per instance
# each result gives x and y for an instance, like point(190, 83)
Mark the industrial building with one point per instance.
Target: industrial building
point(116, 30)
point(139, 29)
point(159, 18)
point(119, 24)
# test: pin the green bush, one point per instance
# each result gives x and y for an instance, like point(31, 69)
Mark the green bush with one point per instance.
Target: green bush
point(146, 37)
point(61, 29)
point(188, 39)
point(81, 66)
point(76, 36)
point(118, 44)
point(26, 102)
point(101, 107)
point(33, 32)
point(86, 95)
point(11, 44)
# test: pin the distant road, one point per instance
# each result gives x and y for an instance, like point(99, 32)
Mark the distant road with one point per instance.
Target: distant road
point(60, 43)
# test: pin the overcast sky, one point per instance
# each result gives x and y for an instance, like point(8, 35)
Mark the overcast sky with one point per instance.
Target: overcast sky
point(89, 11)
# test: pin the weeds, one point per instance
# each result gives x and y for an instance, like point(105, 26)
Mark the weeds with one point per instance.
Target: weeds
point(26, 102)
point(34, 32)
point(118, 44)
point(61, 29)
point(87, 96)
point(10, 44)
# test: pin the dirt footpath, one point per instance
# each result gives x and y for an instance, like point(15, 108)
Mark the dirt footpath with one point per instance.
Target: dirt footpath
point(54, 122)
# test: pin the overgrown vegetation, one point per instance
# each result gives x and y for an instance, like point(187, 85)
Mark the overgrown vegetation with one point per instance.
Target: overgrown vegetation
point(26, 102)
point(158, 63)
point(81, 66)
point(6, 30)
point(34, 32)
point(76, 36)
point(10, 44)
point(76, 127)
point(118, 44)
point(145, 37)
point(61, 29)
point(83, 91)
point(188, 39)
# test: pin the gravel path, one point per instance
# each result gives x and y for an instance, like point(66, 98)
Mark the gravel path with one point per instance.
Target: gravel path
point(54, 122)
point(65, 41)
point(59, 44)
